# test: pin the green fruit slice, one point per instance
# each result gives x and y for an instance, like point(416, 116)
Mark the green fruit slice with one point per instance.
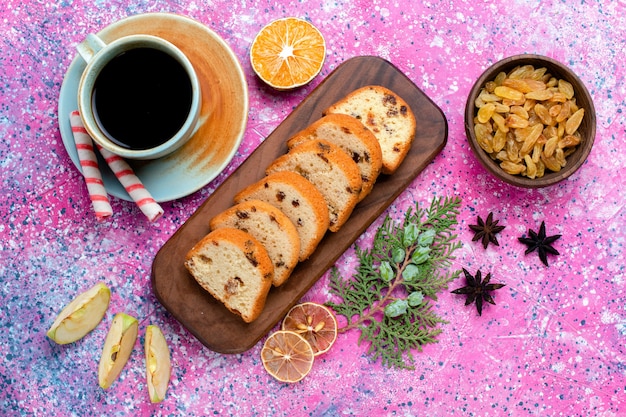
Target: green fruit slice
point(81, 315)
point(118, 346)
point(158, 365)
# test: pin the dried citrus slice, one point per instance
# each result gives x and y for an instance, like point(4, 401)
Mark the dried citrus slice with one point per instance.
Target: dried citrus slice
point(288, 53)
point(287, 356)
point(315, 322)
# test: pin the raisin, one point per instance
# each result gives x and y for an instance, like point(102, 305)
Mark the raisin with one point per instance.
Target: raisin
point(574, 121)
point(484, 137)
point(564, 113)
point(510, 93)
point(323, 146)
point(205, 259)
point(544, 115)
point(517, 122)
point(389, 99)
point(232, 285)
point(540, 95)
point(566, 88)
point(485, 112)
point(252, 258)
point(323, 158)
point(280, 196)
point(569, 141)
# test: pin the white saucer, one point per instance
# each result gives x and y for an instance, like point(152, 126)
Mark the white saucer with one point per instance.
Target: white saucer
point(224, 108)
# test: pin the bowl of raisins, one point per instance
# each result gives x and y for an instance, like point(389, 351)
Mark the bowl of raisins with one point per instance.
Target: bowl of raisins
point(530, 121)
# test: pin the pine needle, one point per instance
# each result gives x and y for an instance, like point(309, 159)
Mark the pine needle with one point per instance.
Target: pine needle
point(390, 296)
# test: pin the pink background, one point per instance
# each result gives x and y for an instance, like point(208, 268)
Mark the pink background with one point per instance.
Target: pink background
point(553, 344)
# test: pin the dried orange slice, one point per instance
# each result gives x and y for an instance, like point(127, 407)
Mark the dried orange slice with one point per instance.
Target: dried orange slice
point(287, 356)
point(288, 53)
point(315, 322)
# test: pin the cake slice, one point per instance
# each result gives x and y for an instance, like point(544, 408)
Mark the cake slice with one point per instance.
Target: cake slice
point(387, 115)
point(271, 227)
point(354, 138)
point(299, 200)
point(330, 170)
point(234, 268)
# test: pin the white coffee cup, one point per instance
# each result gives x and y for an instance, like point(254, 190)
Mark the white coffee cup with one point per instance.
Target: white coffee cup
point(100, 58)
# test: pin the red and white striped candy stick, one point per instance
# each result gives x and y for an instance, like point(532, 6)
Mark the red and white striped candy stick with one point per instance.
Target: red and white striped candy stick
point(89, 166)
point(133, 185)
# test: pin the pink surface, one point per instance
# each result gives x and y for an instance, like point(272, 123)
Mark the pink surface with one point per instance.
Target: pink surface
point(553, 344)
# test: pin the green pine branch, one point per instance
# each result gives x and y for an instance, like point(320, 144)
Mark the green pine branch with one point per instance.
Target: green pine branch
point(389, 297)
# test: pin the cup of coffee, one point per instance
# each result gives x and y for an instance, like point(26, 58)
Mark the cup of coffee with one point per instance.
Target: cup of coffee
point(139, 96)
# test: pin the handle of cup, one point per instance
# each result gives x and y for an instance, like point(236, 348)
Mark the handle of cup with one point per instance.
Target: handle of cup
point(90, 46)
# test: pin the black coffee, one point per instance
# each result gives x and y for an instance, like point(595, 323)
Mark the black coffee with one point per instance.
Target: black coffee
point(142, 98)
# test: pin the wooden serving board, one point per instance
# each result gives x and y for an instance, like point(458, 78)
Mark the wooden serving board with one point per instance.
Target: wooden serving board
point(207, 319)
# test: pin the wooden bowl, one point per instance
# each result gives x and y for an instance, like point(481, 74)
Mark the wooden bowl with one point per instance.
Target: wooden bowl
point(587, 127)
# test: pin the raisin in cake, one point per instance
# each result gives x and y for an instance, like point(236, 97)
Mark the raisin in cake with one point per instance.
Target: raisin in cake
point(299, 200)
point(351, 136)
point(271, 227)
point(387, 115)
point(330, 170)
point(234, 268)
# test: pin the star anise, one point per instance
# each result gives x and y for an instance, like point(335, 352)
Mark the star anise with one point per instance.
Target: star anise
point(540, 242)
point(477, 290)
point(486, 230)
